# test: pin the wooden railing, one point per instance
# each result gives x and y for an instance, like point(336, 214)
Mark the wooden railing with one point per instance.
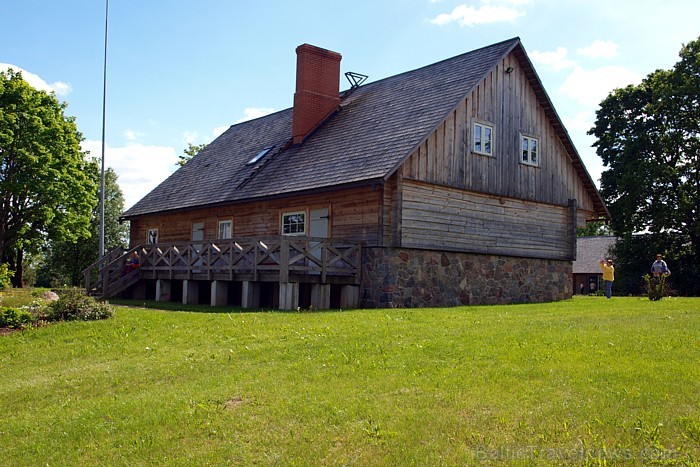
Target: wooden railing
point(280, 256)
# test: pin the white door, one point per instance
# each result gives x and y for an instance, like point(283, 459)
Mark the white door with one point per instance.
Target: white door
point(197, 236)
point(198, 231)
point(318, 223)
point(318, 228)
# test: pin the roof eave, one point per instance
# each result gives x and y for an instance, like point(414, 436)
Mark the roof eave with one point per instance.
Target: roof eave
point(327, 189)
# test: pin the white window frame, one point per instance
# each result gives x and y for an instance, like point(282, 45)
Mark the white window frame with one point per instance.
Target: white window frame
point(152, 233)
point(229, 223)
point(527, 155)
point(293, 228)
point(482, 128)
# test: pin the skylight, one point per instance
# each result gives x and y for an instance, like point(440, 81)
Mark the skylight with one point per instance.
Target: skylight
point(259, 156)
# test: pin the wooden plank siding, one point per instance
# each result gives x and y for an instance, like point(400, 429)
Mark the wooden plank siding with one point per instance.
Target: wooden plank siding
point(354, 214)
point(445, 218)
point(509, 103)
point(391, 208)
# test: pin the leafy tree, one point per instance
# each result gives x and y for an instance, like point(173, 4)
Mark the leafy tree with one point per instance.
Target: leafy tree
point(66, 259)
point(5, 276)
point(191, 151)
point(649, 138)
point(593, 229)
point(45, 192)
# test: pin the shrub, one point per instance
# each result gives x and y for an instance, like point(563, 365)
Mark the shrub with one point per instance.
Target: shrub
point(5, 276)
point(15, 318)
point(75, 305)
point(656, 287)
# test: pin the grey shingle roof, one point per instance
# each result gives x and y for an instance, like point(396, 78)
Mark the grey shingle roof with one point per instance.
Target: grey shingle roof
point(589, 252)
point(377, 127)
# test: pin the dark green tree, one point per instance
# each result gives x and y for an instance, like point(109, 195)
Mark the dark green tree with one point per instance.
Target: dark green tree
point(45, 191)
point(649, 139)
point(191, 151)
point(66, 259)
point(593, 229)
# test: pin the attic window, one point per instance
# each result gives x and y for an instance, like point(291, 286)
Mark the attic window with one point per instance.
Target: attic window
point(529, 148)
point(483, 139)
point(259, 156)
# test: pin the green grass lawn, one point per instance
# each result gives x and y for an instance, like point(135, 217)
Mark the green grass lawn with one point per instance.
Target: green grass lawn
point(585, 381)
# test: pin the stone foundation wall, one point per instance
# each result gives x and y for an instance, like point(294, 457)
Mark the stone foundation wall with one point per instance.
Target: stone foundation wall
point(400, 277)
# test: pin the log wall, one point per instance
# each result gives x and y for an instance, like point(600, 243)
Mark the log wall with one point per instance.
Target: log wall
point(354, 214)
point(448, 219)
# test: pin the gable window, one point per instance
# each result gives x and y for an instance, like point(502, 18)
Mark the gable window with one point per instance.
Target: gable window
point(529, 150)
point(152, 236)
point(294, 223)
point(225, 230)
point(483, 139)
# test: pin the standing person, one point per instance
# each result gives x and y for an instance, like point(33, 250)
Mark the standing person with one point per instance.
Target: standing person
point(659, 266)
point(608, 275)
point(583, 288)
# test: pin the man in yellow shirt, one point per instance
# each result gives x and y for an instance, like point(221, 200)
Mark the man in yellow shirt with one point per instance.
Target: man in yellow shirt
point(608, 275)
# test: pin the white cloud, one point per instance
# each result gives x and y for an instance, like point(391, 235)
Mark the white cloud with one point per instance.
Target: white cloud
point(219, 130)
point(190, 137)
point(587, 86)
point(590, 87)
point(255, 112)
point(132, 135)
point(556, 59)
point(468, 15)
point(59, 87)
point(582, 121)
point(599, 49)
point(510, 2)
point(140, 168)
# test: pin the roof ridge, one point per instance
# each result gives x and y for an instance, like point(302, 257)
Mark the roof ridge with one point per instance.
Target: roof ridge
point(515, 40)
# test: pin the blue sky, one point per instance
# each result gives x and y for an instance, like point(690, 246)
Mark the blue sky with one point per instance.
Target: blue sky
point(182, 71)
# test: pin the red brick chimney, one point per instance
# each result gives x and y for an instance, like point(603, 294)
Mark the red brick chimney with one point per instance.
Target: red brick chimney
point(317, 94)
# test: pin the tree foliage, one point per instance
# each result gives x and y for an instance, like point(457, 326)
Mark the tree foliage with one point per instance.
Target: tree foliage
point(66, 259)
point(191, 151)
point(593, 229)
point(648, 136)
point(5, 276)
point(45, 190)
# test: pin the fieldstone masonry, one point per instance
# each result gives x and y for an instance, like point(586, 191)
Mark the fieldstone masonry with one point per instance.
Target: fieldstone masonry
point(398, 277)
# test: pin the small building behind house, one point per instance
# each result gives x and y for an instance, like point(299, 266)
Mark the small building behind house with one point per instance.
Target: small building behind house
point(587, 276)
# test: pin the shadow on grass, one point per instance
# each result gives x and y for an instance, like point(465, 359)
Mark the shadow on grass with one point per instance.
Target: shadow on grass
point(175, 306)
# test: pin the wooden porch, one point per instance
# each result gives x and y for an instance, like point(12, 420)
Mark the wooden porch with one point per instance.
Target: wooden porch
point(282, 271)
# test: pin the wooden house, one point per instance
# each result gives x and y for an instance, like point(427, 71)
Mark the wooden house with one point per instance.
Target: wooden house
point(455, 183)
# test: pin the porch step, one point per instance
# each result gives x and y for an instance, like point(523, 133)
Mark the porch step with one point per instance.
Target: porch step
point(121, 284)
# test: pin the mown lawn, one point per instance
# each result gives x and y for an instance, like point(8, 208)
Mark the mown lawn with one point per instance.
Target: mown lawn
point(586, 381)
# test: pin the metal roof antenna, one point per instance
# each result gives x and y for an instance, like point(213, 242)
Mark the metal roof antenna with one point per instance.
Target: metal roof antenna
point(355, 79)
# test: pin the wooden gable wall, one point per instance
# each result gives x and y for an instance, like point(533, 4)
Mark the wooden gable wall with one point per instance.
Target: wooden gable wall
point(455, 199)
point(508, 102)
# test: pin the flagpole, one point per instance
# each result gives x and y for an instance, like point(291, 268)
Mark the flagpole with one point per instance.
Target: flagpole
point(104, 108)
